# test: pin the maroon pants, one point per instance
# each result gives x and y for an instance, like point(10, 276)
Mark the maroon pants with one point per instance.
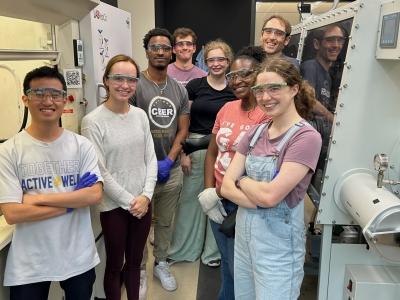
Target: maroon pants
point(124, 237)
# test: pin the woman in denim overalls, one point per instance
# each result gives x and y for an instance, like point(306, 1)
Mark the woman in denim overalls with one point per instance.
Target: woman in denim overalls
point(278, 160)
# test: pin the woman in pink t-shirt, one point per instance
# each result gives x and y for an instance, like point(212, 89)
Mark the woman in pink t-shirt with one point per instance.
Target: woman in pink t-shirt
point(232, 122)
point(278, 159)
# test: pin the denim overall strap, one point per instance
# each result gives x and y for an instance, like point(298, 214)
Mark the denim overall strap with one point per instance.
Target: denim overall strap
point(256, 135)
point(292, 130)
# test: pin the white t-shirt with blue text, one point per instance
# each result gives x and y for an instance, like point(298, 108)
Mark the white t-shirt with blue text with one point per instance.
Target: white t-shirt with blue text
point(57, 248)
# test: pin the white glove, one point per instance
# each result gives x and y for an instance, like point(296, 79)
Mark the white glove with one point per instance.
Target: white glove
point(211, 204)
point(217, 213)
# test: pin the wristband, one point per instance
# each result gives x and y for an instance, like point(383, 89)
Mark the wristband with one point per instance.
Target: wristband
point(69, 209)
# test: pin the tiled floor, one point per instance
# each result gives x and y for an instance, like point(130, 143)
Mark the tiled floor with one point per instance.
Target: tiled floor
point(187, 277)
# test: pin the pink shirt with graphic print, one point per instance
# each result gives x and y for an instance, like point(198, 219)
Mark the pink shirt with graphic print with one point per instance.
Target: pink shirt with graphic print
point(230, 126)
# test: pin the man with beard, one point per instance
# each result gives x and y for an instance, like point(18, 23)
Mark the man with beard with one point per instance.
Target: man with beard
point(166, 103)
point(275, 36)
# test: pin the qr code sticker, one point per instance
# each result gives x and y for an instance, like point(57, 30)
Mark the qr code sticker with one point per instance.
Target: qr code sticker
point(73, 78)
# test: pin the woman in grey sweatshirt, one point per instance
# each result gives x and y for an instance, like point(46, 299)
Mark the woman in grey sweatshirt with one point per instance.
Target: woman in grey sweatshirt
point(127, 161)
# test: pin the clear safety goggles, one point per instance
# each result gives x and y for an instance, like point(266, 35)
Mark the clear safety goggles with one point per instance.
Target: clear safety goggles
point(120, 79)
point(40, 94)
point(157, 47)
point(272, 89)
point(242, 73)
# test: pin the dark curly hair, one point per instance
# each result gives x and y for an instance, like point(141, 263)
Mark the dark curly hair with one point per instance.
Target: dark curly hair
point(43, 72)
point(305, 98)
point(255, 53)
point(157, 32)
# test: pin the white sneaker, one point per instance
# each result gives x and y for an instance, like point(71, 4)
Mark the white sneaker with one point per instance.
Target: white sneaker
point(162, 272)
point(143, 285)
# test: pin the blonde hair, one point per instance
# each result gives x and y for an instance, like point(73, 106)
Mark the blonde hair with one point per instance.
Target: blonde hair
point(219, 44)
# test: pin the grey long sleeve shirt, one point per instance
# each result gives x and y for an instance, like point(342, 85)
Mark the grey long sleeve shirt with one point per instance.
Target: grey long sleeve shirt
point(127, 159)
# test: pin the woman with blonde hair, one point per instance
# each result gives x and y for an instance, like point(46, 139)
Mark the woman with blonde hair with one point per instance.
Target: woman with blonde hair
point(192, 236)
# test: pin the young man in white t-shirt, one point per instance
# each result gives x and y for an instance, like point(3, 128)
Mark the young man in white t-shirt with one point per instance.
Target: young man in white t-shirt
point(48, 179)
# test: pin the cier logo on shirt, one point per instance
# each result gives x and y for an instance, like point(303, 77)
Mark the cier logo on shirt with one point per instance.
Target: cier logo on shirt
point(162, 111)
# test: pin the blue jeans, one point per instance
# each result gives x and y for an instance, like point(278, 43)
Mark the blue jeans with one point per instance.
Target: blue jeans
point(226, 248)
point(269, 252)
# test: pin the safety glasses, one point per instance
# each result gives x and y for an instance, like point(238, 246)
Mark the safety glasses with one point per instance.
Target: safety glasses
point(184, 43)
point(40, 94)
point(272, 89)
point(274, 31)
point(242, 74)
point(155, 48)
point(218, 59)
point(120, 79)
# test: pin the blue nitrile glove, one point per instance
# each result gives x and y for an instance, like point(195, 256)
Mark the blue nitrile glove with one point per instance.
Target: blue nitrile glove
point(87, 180)
point(164, 166)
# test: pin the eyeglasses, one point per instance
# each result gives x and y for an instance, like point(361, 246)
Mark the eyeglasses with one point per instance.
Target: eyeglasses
point(217, 59)
point(242, 74)
point(184, 43)
point(332, 39)
point(157, 47)
point(40, 94)
point(274, 31)
point(120, 79)
point(273, 89)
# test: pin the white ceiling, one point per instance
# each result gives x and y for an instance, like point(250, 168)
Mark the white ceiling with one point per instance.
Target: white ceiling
point(47, 11)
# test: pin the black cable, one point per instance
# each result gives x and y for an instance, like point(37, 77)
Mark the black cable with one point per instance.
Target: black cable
point(24, 120)
point(98, 237)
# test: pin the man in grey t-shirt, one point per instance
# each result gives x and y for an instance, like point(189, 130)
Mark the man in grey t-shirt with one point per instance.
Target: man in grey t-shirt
point(166, 103)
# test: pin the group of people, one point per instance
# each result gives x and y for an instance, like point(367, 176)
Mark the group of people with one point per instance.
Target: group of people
point(262, 152)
